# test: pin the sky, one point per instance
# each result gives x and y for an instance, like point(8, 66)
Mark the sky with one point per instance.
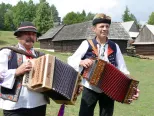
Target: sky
point(142, 9)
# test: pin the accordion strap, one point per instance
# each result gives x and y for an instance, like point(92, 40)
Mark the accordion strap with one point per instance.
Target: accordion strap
point(20, 51)
point(93, 46)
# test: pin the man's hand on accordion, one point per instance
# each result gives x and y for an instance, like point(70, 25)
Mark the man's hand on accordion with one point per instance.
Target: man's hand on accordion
point(135, 96)
point(23, 68)
point(80, 89)
point(86, 63)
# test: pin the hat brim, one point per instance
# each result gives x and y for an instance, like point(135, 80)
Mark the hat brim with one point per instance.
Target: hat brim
point(100, 20)
point(16, 33)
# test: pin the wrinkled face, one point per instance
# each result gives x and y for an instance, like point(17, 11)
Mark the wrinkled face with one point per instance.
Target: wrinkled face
point(27, 39)
point(101, 30)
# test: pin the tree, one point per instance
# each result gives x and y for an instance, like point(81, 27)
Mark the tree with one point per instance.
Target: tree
point(3, 9)
point(23, 11)
point(70, 18)
point(151, 19)
point(136, 21)
point(8, 20)
point(90, 16)
point(54, 13)
point(83, 13)
point(82, 16)
point(19, 13)
point(44, 18)
point(126, 16)
point(78, 17)
point(30, 11)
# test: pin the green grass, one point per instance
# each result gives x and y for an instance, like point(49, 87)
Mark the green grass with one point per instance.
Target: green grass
point(7, 39)
point(140, 69)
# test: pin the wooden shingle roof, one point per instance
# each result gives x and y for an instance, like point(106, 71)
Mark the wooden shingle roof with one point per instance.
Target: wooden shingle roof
point(146, 35)
point(81, 31)
point(127, 25)
point(117, 32)
point(51, 32)
point(77, 31)
point(151, 28)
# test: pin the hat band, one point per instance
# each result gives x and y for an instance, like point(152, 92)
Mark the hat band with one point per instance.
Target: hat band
point(25, 27)
point(100, 20)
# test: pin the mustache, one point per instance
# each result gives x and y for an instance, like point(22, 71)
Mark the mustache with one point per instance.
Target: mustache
point(29, 40)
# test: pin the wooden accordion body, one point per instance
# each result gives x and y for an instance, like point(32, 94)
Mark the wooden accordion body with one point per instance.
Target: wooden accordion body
point(111, 81)
point(53, 78)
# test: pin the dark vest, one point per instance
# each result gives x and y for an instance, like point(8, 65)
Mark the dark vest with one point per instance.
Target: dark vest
point(15, 60)
point(111, 55)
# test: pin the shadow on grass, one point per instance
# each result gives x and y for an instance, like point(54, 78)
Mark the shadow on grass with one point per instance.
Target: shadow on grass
point(3, 42)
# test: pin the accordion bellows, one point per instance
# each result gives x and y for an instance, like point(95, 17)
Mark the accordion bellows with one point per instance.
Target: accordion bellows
point(111, 81)
point(53, 78)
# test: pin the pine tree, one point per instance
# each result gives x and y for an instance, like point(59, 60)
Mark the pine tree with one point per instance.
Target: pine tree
point(126, 16)
point(89, 16)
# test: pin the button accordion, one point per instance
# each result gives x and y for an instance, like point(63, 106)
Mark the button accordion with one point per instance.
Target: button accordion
point(53, 78)
point(111, 81)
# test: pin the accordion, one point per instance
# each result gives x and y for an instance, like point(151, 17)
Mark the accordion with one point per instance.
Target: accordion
point(111, 81)
point(53, 78)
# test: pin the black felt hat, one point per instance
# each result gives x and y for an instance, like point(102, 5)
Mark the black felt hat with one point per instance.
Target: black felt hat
point(101, 18)
point(26, 26)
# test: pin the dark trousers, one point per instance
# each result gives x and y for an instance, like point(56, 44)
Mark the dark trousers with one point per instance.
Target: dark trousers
point(89, 100)
point(38, 111)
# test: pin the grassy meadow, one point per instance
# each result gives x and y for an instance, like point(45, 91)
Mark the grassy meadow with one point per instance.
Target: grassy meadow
point(7, 38)
point(140, 69)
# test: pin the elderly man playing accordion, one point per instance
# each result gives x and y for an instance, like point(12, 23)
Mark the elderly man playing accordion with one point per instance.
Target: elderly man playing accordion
point(15, 99)
point(80, 60)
